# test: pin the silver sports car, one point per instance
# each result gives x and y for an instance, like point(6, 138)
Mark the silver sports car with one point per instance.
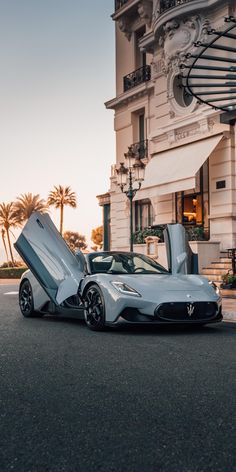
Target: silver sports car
point(109, 288)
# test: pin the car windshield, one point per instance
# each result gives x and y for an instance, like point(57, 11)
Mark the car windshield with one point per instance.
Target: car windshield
point(124, 263)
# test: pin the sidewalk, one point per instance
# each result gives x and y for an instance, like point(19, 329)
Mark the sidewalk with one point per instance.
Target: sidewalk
point(9, 281)
point(229, 304)
point(229, 309)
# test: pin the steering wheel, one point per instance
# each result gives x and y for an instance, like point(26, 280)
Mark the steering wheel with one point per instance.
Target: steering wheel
point(139, 269)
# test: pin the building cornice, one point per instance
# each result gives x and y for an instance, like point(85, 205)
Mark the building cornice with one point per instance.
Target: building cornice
point(104, 199)
point(129, 96)
point(126, 8)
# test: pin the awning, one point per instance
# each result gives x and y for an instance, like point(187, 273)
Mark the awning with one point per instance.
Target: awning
point(175, 170)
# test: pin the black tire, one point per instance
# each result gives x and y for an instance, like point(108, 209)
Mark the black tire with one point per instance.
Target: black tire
point(94, 313)
point(26, 300)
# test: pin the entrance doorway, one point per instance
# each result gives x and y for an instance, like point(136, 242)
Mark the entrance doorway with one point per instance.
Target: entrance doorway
point(192, 206)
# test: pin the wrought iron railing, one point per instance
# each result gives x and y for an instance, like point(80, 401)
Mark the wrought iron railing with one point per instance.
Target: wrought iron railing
point(119, 4)
point(166, 4)
point(143, 74)
point(140, 149)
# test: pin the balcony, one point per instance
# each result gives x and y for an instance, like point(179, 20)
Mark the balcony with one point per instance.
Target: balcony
point(167, 4)
point(119, 4)
point(140, 149)
point(143, 74)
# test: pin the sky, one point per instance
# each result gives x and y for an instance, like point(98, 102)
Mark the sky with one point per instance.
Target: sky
point(57, 70)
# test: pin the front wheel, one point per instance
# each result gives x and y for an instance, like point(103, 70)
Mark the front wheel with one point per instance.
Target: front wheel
point(26, 300)
point(94, 312)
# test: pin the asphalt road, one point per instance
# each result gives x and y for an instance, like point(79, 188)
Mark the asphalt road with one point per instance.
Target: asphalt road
point(130, 400)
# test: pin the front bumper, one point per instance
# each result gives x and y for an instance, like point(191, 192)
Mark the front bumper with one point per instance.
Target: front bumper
point(179, 313)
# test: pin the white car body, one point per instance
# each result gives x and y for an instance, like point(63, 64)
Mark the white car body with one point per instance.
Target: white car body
point(151, 296)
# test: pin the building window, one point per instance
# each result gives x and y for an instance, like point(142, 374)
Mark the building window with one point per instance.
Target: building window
point(180, 101)
point(140, 57)
point(144, 214)
point(141, 127)
point(138, 125)
point(182, 98)
point(192, 209)
point(192, 206)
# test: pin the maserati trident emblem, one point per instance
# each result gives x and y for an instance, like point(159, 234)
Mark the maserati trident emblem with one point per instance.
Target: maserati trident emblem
point(190, 309)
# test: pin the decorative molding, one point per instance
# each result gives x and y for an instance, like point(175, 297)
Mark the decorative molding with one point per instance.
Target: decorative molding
point(158, 68)
point(125, 27)
point(187, 132)
point(203, 126)
point(145, 11)
point(177, 39)
point(171, 137)
point(181, 8)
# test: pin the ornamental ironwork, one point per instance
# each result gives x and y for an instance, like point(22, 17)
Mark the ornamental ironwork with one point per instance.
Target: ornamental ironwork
point(167, 4)
point(143, 74)
point(140, 149)
point(211, 72)
point(119, 4)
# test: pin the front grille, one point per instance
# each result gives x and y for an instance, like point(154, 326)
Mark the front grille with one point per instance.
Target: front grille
point(186, 311)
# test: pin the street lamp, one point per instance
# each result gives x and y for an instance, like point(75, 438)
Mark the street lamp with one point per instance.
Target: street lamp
point(133, 171)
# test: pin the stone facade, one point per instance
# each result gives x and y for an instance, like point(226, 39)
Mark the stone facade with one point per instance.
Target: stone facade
point(158, 35)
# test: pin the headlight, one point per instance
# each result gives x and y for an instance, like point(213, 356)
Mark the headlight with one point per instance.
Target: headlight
point(213, 285)
point(125, 289)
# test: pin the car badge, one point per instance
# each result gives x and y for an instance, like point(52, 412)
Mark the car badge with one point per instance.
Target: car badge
point(190, 309)
point(188, 295)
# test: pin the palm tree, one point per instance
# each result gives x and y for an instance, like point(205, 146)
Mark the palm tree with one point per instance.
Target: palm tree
point(60, 197)
point(4, 244)
point(8, 220)
point(26, 204)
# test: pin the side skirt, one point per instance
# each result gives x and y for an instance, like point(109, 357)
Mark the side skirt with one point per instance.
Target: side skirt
point(75, 313)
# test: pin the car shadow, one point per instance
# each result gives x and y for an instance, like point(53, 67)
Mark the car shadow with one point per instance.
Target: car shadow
point(140, 330)
point(166, 329)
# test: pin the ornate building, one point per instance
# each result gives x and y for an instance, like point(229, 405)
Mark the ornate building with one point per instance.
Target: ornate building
point(189, 153)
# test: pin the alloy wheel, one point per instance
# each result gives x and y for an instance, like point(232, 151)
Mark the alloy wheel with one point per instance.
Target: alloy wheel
point(94, 312)
point(26, 301)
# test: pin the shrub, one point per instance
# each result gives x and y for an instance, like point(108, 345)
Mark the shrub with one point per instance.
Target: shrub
point(195, 233)
point(140, 235)
point(12, 272)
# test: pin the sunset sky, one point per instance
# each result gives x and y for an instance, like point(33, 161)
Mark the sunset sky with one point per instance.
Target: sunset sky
point(57, 70)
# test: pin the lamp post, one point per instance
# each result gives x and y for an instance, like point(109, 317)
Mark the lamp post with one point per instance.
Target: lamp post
point(133, 171)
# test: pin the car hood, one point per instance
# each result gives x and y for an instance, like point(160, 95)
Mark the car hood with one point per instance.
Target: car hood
point(167, 281)
point(152, 286)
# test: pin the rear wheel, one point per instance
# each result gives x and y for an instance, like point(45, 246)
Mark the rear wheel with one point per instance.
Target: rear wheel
point(94, 312)
point(26, 300)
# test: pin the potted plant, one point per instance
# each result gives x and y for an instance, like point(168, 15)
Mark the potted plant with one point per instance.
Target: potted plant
point(229, 280)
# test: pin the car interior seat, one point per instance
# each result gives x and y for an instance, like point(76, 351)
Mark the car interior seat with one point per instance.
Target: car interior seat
point(117, 266)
